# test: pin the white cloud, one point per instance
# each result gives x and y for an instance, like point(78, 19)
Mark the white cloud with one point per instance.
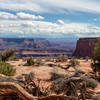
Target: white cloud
point(60, 22)
point(26, 16)
point(5, 15)
point(20, 15)
point(96, 19)
point(39, 17)
point(52, 6)
point(43, 28)
point(27, 24)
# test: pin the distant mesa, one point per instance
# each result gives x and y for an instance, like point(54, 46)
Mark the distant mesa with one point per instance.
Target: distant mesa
point(85, 47)
point(36, 46)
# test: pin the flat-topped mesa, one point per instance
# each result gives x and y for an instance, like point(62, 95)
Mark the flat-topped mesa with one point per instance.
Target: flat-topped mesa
point(85, 47)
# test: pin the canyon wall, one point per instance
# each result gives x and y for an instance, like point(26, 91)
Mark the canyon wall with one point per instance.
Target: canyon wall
point(85, 47)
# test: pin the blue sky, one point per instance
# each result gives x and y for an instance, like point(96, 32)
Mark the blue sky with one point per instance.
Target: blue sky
point(50, 18)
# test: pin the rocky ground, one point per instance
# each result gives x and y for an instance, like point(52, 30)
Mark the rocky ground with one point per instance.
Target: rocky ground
point(42, 71)
point(43, 78)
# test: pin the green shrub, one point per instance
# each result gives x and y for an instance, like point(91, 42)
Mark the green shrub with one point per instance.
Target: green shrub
point(30, 61)
point(14, 58)
point(6, 69)
point(74, 62)
point(4, 56)
point(90, 82)
point(62, 58)
point(96, 58)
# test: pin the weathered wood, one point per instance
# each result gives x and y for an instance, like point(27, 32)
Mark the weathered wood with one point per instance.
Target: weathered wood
point(13, 88)
point(23, 95)
point(57, 97)
point(18, 89)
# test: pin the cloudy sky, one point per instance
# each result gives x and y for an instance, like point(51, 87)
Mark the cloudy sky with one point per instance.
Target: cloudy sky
point(50, 18)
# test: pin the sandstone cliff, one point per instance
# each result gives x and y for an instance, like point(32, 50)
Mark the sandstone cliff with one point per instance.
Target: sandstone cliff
point(85, 47)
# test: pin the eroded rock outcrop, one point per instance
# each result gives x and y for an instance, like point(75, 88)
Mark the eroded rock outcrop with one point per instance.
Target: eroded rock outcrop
point(85, 47)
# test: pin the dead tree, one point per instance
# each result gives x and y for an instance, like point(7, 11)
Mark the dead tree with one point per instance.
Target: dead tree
point(14, 90)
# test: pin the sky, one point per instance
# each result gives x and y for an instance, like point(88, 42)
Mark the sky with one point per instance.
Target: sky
point(50, 18)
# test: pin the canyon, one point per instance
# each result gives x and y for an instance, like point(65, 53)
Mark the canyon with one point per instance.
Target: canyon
point(82, 47)
point(37, 46)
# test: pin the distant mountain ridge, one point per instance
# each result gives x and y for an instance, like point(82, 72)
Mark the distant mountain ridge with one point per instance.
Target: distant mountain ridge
point(38, 45)
point(23, 42)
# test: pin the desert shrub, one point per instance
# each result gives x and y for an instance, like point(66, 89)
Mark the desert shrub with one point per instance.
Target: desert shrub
point(74, 62)
point(55, 76)
point(14, 58)
point(30, 61)
point(60, 84)
point(62, 58)
point(78, 73)
point(90, 82)
point(96, 58)
point(49, 59)
point(4, 56)
point(6, 69)
point(38, 62)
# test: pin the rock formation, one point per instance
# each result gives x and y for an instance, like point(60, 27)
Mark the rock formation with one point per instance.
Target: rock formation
point(85, 47)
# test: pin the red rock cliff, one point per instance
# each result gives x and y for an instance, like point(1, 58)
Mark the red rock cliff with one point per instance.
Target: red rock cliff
point(85, 47)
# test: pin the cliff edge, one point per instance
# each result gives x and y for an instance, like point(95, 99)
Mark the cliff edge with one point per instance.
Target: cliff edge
point(85, 47)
